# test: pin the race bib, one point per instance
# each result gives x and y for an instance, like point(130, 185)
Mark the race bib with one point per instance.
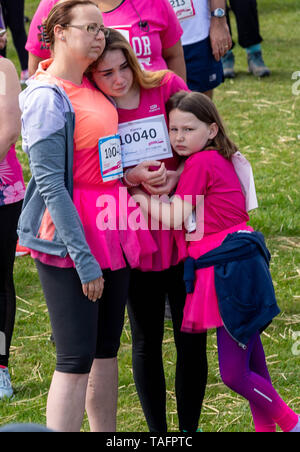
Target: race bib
point(144, 139)
point(110, 158)
point(183, 8)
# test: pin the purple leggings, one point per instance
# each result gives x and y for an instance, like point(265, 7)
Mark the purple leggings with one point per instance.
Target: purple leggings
point(246, 373)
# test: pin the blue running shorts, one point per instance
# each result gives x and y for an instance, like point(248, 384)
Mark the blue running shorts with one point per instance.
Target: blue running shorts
point(204, 73)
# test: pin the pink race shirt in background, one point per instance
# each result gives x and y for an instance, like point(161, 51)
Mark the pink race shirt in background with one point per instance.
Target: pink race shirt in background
point(161, 29)
point(35, 44)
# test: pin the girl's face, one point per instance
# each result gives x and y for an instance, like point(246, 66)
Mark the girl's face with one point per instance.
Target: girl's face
point(81, 42)
point(188, 134)
point(113, 74)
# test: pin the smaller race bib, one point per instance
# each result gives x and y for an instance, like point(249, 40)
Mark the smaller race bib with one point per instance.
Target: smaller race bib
point(110, 158)
point(183, 8)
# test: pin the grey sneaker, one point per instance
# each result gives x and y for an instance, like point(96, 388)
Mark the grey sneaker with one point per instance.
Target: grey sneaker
point(6, 390)
point(228, 65)
point(256, 65)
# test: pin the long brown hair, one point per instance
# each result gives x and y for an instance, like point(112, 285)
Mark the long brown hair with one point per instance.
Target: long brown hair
point(205, 110)
point(61, 14)
point(145, 79)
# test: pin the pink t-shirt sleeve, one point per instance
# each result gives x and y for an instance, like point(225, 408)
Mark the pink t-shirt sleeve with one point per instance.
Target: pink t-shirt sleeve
point(172, 31)
point(162, 29)
point(34, 43)
point(196, 178)
point(171, 84)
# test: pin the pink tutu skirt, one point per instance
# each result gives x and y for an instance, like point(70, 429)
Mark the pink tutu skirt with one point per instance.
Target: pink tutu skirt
point(201, 311)
point(114, 226)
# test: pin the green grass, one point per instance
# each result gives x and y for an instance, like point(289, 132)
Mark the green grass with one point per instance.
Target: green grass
point(264, 120)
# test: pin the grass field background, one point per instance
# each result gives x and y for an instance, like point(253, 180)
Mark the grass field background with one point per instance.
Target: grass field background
point(264, 120)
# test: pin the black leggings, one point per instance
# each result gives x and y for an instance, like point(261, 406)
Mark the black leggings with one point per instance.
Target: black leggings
point(9, 215)
point(13, 12)
point(146, 308)
point(247, 22)
point(84, 330)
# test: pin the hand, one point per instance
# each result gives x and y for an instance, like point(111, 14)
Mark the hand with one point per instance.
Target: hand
point(165, 189)
point(142, 173)
point(94, 289)
point(220, 37)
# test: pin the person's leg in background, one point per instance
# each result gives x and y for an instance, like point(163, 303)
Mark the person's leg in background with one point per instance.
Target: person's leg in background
point(9, 215)
point(13, 11)
point(191, 363)
point(146, 310)
point(249, 38)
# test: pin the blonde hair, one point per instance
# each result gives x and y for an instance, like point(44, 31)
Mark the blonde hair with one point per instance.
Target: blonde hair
point(205, 110)
point(145, 79)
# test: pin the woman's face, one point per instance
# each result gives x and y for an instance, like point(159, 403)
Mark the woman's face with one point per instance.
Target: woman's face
point(113, 74)
point(82, 43)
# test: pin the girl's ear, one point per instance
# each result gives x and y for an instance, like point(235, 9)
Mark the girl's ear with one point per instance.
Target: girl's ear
point(214, 129)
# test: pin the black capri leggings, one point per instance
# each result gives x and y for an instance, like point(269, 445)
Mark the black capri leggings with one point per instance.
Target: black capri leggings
point(146, 309)
point(84, 330)
point(9, 215)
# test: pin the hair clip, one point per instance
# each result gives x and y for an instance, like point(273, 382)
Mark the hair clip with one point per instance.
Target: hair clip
point(43, 38)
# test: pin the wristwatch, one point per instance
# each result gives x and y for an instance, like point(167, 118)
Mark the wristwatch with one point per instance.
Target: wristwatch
point(219, 12)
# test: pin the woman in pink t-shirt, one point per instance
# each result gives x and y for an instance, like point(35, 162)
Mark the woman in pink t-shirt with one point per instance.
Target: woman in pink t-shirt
point(151, 27)
point(140, 97)
point(12, 190)
point(210, 185)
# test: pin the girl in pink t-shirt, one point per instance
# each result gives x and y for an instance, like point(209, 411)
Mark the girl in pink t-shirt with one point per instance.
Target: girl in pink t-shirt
point(210, 186)
point(141, 97)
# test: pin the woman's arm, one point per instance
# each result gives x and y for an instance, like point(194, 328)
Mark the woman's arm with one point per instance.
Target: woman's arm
point(219, 32)
point(47, 146)
point(172, 214)
point(174, 57)
point(10, 115)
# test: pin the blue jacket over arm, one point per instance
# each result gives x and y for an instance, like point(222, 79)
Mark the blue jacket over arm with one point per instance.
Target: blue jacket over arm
point(244, 286)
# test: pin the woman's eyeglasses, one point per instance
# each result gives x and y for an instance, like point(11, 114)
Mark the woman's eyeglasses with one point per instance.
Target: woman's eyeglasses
point(92, 29)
